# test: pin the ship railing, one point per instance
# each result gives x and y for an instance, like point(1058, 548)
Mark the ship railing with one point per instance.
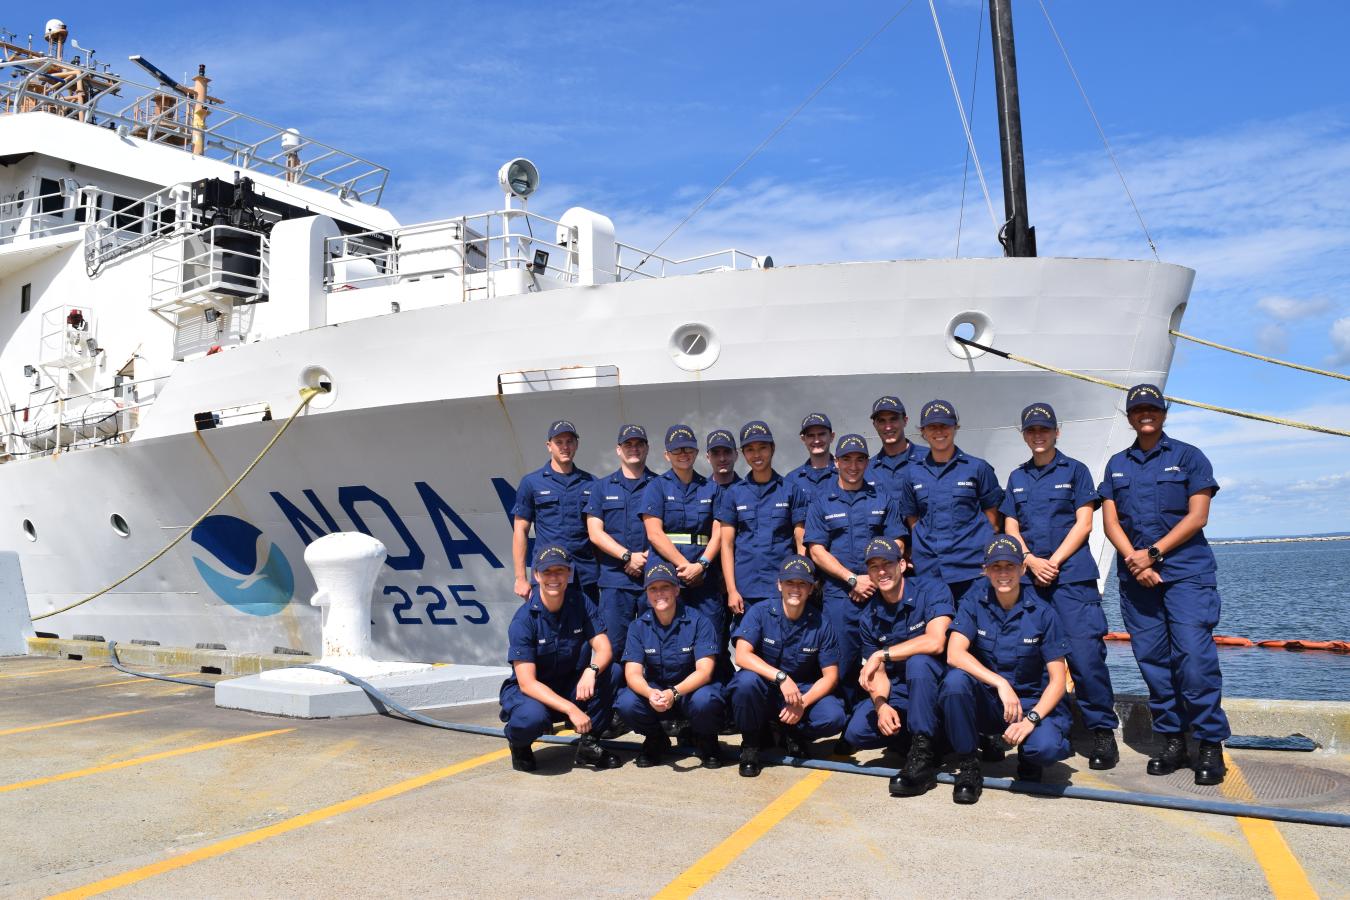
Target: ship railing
point(169, 118)
point(471, 248)
point(211, 269)
point(60, 212)
point(63, 422)
point(634, 262)
point(133, 224)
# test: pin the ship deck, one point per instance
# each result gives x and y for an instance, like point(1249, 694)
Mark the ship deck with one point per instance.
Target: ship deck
point(114, 783)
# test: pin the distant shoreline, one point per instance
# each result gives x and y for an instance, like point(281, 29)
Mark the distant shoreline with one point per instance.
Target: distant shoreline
point(1281, 540)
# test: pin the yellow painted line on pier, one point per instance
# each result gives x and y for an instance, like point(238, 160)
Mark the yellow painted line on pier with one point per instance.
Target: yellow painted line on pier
point(1283, 872)
point(139, 760)
point(49, 671)
point(742, 839)
point(127, 681)
point(65, 722)
point(220, 848)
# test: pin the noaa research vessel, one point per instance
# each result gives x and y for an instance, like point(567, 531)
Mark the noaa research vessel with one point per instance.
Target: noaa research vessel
point(173, 272)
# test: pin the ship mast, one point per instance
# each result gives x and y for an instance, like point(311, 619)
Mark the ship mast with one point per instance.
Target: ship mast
point(1017, 235)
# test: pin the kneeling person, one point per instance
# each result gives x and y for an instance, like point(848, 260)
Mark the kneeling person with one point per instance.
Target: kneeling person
point(904, 636)
point(558, 653)
point(1008, 674)
point(789, 669)
point(668, 664)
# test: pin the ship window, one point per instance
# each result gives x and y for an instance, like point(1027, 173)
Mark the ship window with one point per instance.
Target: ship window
point(25, 298)
point(29, 531)
point(49, 190)
point(120, 525)
point(126, 211)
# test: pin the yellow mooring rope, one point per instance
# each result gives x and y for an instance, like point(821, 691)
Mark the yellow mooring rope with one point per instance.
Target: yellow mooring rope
point(1269, 359)
point(306, 395)
point(1240, 413)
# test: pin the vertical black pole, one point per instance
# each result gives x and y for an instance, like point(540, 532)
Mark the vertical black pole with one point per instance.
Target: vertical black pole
point(1017, 236)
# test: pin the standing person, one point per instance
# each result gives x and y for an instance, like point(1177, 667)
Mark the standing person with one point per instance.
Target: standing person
point(1007, 673)
point(840, 523)
point(950, 503)
point(668, 663)
point(789, 668)
point(889, 468)
point(558, 654)
point(904, 644)
point(763, 519)
point(678, 512)
point(722, 457)
point(1048, 507)
point(614, 523)
point(817, 436)
point(1155, 504)
point(551, 499)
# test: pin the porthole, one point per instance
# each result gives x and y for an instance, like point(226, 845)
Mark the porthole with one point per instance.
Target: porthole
point(119, 525)
point(29, 531)
point(694, 347)
point(319, 377)
point(972, 326)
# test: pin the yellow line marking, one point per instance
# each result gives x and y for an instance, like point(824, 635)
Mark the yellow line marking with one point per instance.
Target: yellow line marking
point(128, 681)
point(210, 851)
point(136, 761)
point(1283, 873)
point(49, 671)
point(62, 724)
point(725, 853)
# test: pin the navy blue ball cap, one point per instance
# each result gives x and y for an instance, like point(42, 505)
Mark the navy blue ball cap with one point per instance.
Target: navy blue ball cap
point(851, 443)
point(813, 420)
point(678, 437)
point(882, 548)
point(660, 571)
point(1145, 395)
point(632, 433)
point(887, 404)
point(562, 426)
point(549, 555)
point(720, 437)
point(756, 431)
point(797, 568)
point(937, 412)
point(1039, 414)
point(1003, 549)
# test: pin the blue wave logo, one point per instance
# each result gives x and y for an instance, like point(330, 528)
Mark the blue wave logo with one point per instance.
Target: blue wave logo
point(241, 566)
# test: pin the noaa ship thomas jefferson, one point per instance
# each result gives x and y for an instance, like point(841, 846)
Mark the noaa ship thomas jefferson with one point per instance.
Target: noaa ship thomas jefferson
point(173, 272)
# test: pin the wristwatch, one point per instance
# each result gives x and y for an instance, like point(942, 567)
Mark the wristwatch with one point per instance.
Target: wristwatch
point(1033, 717)
point(594, 668)
point(852, 581)
point(627, 555)
point(780, 677)
point(704, 562)
point(674, 694)
point(1155, 554)
point(887, 653)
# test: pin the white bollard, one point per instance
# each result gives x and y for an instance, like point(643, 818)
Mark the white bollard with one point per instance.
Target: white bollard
point(15, 625)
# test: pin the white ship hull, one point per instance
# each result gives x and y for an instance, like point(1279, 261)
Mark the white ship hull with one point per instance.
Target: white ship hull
point(419, 444)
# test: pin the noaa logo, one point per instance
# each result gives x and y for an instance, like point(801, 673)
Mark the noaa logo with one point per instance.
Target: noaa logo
point(241, 566)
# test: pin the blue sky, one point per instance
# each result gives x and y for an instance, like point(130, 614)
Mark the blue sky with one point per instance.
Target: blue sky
point(1232, 124)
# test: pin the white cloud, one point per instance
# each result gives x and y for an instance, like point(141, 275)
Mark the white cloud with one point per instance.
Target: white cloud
point(1340, 339)
point(1287, 309)
point(1272, 338)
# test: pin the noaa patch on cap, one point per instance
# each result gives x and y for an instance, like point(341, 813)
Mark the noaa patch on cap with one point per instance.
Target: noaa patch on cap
point(632, 433)
point(1003, 549)
point(937, 412)
point(562, 426)
point(720, 437)
point(1145, 395)
point(813, 420)
point(797, 568)
point(548, 555)
point(756, 431)
point(678, 437)
point(659, 571)
point(887, 404)
point(1039, 415)
point(882, 548)
point(851, 443)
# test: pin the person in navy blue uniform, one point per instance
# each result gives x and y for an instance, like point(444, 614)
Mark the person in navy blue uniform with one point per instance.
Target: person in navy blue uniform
point(722, 456)
point(889, 468)
point(552, 499)
point(950, 503)
point(904, 642)
point(1007, 673)
point(840, 522)
point(817, 436)
point(789, 669)
point(1048, 506)
point(678, 511)
point(614, 524)
point(668, 663)
point(558, 654)
point(763, 519)
point(1155, 504)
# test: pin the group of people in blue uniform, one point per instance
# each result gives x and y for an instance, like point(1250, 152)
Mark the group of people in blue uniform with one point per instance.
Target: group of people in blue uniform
point(904, 600)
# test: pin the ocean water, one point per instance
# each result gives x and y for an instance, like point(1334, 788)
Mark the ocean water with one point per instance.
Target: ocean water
point(1269, 591)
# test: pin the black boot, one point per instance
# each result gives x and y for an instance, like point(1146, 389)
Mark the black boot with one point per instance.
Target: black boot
point(917, 775)
point(792, 744)
point(705, 745)
point(1209, 765)
point(590, 753)
point(1171, 757)
point(969, 784)
point(1027, 770)
point(522, 758)
point(750, 764)
point(992, 749)
point(654, 746)
point(1105, 753)
point(617, 728)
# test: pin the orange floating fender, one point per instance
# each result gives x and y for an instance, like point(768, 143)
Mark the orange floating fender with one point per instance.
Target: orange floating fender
point(1330, 646)
point(1226, 640)
point(1115, 636)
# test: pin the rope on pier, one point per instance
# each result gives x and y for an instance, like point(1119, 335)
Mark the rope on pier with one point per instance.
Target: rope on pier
point(306, 395)
point(1269, 359)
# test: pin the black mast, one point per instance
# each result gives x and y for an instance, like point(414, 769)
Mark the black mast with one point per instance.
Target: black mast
point(1017, 236)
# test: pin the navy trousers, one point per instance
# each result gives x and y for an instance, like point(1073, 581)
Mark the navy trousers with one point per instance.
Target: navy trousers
point(844, 615)
point(526, 718)
point(915, 696)
point(1079, 606)
point(618, 608)
point(755, 703)
point(704, 709)
point(971, 708)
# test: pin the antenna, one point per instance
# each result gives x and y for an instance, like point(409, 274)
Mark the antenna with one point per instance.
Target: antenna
point(160, 75)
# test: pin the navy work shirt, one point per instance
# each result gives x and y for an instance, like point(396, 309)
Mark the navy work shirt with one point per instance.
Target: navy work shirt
point(617, 502)
point(949, 500)
point(764, 516)
point(889, 472)
point(1016, 643)
point(682, 508)
point(554, 503)
point(886, 624)
point(801, 648)
point(559, 644)
point(1045, 501)
point(810, 479)
point(1152, 492)
point(668, 652)
point(844, 522)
